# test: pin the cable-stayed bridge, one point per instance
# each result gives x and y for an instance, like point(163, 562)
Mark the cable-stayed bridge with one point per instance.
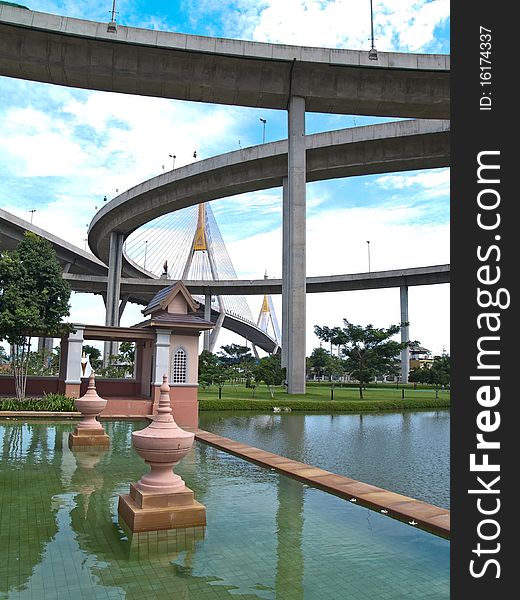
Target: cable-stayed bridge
point(187, 245)
point(86, 273)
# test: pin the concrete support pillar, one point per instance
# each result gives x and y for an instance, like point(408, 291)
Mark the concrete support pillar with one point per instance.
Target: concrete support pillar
point(160, 364)
point(45, 347)
point(207, 317)
point(72, 366)
point(405, 334)
point(45, 343)
point(145, 376)
point(122, 306)
point(161, 357)
point(218, 326)
point(294, 230)
point(285, 299)
point(115, 259)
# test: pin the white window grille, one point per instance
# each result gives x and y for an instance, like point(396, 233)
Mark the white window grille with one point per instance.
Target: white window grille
point(178, 370)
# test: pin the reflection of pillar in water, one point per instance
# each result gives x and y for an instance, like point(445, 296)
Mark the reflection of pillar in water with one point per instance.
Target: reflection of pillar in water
point(289, 527)
point(86, 478)
point(289, 517)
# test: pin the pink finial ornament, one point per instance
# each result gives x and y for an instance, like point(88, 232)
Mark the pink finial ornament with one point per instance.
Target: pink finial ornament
point(160, 499)
point(90, 405)
point(89, 431)
point(162, 445)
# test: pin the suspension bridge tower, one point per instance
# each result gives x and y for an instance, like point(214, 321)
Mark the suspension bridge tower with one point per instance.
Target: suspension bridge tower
point(267, 320)
point(187, 245)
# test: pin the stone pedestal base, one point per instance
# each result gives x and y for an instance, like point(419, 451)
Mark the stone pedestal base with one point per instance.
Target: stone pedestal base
point(142, 511)
point(82, 437)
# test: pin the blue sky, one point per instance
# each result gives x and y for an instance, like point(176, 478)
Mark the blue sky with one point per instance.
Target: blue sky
point(62, 150)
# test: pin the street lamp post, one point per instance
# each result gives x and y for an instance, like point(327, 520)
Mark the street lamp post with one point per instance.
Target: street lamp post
point(173, 157)
point(145, 249)
point(32, 211)
point(372, 54)
point(368, 248)
point(112, 26)
point(264, 121)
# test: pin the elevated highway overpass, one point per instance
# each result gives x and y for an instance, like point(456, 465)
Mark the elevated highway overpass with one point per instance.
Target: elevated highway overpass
point(85, 54)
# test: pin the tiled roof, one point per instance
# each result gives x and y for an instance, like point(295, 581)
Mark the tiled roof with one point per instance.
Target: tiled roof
point(167, 294)
point(155, 302)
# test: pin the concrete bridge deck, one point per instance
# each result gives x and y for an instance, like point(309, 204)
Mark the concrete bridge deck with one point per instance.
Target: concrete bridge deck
point(142, 289)
point(83, 54)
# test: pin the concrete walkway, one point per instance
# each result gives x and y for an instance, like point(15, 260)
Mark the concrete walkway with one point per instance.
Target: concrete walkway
point(426, 516)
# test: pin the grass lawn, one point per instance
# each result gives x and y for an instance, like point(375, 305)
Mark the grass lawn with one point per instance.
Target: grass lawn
point(318, 398)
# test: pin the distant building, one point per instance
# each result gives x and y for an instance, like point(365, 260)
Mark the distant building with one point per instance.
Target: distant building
point(420, 357)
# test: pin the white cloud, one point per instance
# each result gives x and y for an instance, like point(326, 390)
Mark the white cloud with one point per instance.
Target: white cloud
point(428, 179)
point(85, 9)
point(398, 24)
point(37, 145)
point(336, 243)
point(65, 217)
point(105, 133)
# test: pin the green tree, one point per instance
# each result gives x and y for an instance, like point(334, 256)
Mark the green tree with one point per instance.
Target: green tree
point(324, 364)
point(440, 372)
point(119, 365)
point(212, 371)
point(208, 367)
point(33, 300)
point(420, 375)
point(335, 367)
point(437, 374)
point(41, 363)
point(239, 358)
point(126, 356)
point(55, 359)
point(318, 361)
point(334, 335)
point(368, 350)
point(270, 372)
point(234, 354)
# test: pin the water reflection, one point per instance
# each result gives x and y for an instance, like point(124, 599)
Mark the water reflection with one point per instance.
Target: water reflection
point(289, 539)
point(405, 452)
point(267, 536)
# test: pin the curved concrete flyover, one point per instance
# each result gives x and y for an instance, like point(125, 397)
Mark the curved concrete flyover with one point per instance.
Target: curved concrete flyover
point(83, 54)
point(71, 258)
point(382, 148)
point(144, 289)
point(248, 331)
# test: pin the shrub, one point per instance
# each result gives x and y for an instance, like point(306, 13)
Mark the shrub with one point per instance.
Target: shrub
point(322, 405)
point(49, 402)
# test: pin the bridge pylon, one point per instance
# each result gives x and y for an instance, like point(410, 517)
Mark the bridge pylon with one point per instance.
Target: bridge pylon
point(267, 319)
